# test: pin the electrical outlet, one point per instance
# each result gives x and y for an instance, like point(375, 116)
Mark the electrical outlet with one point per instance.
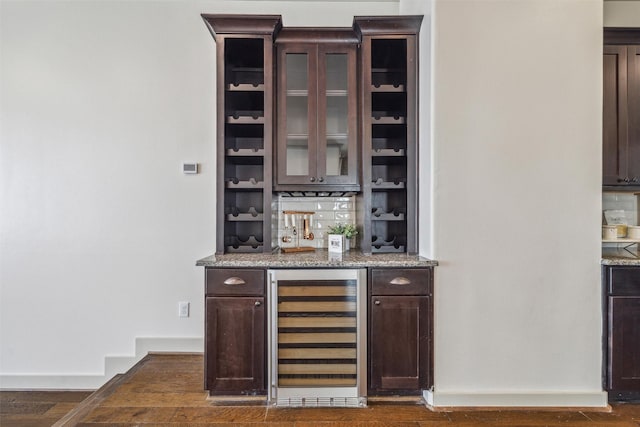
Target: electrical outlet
point(183, 309)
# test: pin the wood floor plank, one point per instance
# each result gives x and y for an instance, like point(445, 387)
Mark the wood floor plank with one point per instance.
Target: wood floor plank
point(130, 414)
point(357, 424)
point(524, 418)
point(378, 413)
point(160, 399)
point(33, 408)
point(59, 410)
point(214, 414)
point(167, 391)
point(56, 396)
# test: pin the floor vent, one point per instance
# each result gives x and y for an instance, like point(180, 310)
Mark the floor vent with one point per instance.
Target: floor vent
point(324, 402)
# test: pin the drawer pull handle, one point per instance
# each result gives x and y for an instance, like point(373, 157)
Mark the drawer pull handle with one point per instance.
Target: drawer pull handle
point(231, 281)
point(400, 281)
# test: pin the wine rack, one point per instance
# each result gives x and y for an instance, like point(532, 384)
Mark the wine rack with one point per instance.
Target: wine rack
point(244, 139)
point(386, 90)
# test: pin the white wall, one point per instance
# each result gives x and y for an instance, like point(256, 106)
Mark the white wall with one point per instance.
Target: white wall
point(517, 155)
point(622, 13)
point(425, 234)
point(101, 102)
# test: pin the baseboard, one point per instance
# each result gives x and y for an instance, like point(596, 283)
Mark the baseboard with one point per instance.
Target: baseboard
point(583, 401)
point(113, 365)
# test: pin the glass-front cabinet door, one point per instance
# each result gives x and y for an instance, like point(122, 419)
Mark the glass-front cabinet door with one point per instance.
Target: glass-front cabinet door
point(316, 115)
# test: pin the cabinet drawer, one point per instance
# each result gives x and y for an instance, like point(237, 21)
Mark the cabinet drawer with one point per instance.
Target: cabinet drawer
point(624, 280)
point(224, 281)
point(401, 281)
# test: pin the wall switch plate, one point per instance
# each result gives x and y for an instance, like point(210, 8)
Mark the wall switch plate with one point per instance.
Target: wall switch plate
point(183, 309)
point(190, 168)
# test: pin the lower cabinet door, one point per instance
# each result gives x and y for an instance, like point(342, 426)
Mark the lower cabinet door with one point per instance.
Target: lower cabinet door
point(235, 356)
point(399, 344)
point(624, 343)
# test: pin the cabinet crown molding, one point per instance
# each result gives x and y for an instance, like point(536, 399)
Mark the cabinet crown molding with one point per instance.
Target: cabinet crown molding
point(386, 25)
point(317, 35)
point(242, 24)
point(621, 35)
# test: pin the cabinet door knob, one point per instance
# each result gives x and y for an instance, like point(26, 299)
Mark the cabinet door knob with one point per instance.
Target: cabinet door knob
point(312, 179)
point(377, 302)
point(231, 281)
point(321, 179)
point(400, 281)
point(257, 303)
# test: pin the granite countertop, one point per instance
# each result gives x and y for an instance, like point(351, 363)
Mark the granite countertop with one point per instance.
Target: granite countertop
point(620, 256)
point(318, 258)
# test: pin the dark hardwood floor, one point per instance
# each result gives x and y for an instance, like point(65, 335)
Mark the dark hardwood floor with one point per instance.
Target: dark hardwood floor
point(167, 390)
point(37, 408)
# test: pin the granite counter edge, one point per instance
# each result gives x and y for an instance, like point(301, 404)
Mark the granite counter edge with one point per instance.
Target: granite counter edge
point(211, 261)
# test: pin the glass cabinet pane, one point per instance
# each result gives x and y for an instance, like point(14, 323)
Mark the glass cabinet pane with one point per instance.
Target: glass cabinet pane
point(337, 114)
point(297, 161)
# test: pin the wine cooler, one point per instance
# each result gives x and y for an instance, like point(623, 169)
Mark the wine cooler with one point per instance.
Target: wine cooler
point(317, 337)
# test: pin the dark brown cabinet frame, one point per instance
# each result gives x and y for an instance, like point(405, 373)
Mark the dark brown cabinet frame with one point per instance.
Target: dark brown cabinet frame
point(621, 326)
point(400, 331)
point(621, 109)
point(383, 175)
point(235, 331)
point(324, 42)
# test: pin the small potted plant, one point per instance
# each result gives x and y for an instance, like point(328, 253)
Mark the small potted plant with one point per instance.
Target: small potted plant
point(347, 231)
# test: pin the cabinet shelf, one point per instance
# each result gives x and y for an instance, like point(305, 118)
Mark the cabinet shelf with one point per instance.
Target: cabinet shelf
point(378, 214)
point(245, 76)
point(380, 183)
point(387, 87)
point(381, 118)
point(242, 249)
point(245, 152)
point(380, 245)
point(238, 244)
point(251, 214)
point(388, 152)
point(246, 117)
point(250, 184)
point(245, 87)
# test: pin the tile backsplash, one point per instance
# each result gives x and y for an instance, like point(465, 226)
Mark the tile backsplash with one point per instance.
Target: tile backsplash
point(328, 212)
point(627, 202)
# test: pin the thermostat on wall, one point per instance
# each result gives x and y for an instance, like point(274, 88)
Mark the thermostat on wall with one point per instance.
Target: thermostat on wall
point(190, 168)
